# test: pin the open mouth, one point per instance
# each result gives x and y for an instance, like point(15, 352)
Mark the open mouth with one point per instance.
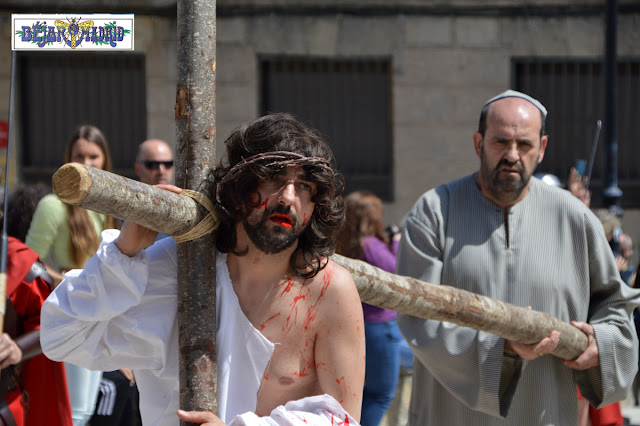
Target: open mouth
point(282, 220)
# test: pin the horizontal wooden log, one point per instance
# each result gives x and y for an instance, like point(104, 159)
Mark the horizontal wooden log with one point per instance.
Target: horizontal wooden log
point(174, 214)
point(444, 303)
point(126, 199)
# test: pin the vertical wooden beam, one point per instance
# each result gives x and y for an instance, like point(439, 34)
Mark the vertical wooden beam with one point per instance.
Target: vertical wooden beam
point(195, 155)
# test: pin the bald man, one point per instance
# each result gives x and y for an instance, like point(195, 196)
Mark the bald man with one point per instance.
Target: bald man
point(499, 233)
point(154, 162)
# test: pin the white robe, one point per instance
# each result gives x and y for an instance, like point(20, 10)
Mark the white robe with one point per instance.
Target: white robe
point(120, 312)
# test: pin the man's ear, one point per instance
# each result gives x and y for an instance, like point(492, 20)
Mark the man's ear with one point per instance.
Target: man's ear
point(477, 143)
point(136, 168)
point(543, 146)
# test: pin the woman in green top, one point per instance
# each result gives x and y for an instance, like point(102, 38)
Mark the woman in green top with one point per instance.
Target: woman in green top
point(65, 237)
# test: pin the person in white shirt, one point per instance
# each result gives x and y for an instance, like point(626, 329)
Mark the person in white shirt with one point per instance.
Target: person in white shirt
point(290, 344)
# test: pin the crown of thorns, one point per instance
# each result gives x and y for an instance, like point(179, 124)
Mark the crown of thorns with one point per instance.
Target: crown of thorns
point(276, 159)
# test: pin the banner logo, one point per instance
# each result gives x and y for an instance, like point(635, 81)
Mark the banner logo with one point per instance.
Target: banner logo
point(72, 32)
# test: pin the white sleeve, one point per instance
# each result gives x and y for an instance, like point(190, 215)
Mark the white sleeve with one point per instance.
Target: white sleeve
point(317, 410)
point(118, 312)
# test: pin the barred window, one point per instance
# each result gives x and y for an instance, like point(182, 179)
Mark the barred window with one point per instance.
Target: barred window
point(348, 100)
point(61, 90)
point(573, 90)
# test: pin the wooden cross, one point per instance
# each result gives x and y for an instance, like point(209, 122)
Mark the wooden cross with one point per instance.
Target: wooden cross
point(195, 155)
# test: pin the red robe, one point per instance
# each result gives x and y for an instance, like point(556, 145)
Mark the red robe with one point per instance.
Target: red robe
point(43, 379)
point(609, 415)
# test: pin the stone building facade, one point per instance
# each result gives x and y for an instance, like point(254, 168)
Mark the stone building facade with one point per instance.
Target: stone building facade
point(447, 57)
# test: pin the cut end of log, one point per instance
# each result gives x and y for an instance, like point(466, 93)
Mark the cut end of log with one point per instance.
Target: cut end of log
point(71, 183)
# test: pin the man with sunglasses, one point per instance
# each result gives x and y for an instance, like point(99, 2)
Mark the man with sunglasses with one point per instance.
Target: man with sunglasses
point(154, 162)
point(154, 165)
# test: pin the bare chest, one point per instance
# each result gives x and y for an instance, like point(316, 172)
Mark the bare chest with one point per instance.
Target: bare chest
point(291, 320)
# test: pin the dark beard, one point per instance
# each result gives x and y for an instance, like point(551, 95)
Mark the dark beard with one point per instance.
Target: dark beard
point(503, 190)
point(276, 239)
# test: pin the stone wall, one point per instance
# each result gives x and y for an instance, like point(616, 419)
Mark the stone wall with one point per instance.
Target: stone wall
point(443, 68)
point(155, 36)
point(412, 3)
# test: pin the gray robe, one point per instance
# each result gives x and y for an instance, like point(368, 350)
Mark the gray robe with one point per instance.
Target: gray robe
point(549, 252)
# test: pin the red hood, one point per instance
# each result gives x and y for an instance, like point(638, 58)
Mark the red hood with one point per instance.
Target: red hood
point(19, 261)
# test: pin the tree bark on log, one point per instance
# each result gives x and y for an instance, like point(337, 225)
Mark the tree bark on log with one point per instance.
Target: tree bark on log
point(195, 155)
point(390, 291)
point(445, 303)
point(125, 199)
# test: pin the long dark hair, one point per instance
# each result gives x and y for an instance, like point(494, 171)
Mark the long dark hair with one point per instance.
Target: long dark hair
point(274, 133)
point(364, 218)
point(83, 238)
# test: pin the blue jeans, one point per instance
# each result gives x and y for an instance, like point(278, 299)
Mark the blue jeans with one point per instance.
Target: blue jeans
point(382, 370)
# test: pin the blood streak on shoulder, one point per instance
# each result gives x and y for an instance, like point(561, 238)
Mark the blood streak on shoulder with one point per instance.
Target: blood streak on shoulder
point(312, 311)
point(288, 283)
point(305, 219)
point(302, 295)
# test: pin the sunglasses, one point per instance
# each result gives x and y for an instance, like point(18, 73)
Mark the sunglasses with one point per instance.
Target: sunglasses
point(153, 165)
